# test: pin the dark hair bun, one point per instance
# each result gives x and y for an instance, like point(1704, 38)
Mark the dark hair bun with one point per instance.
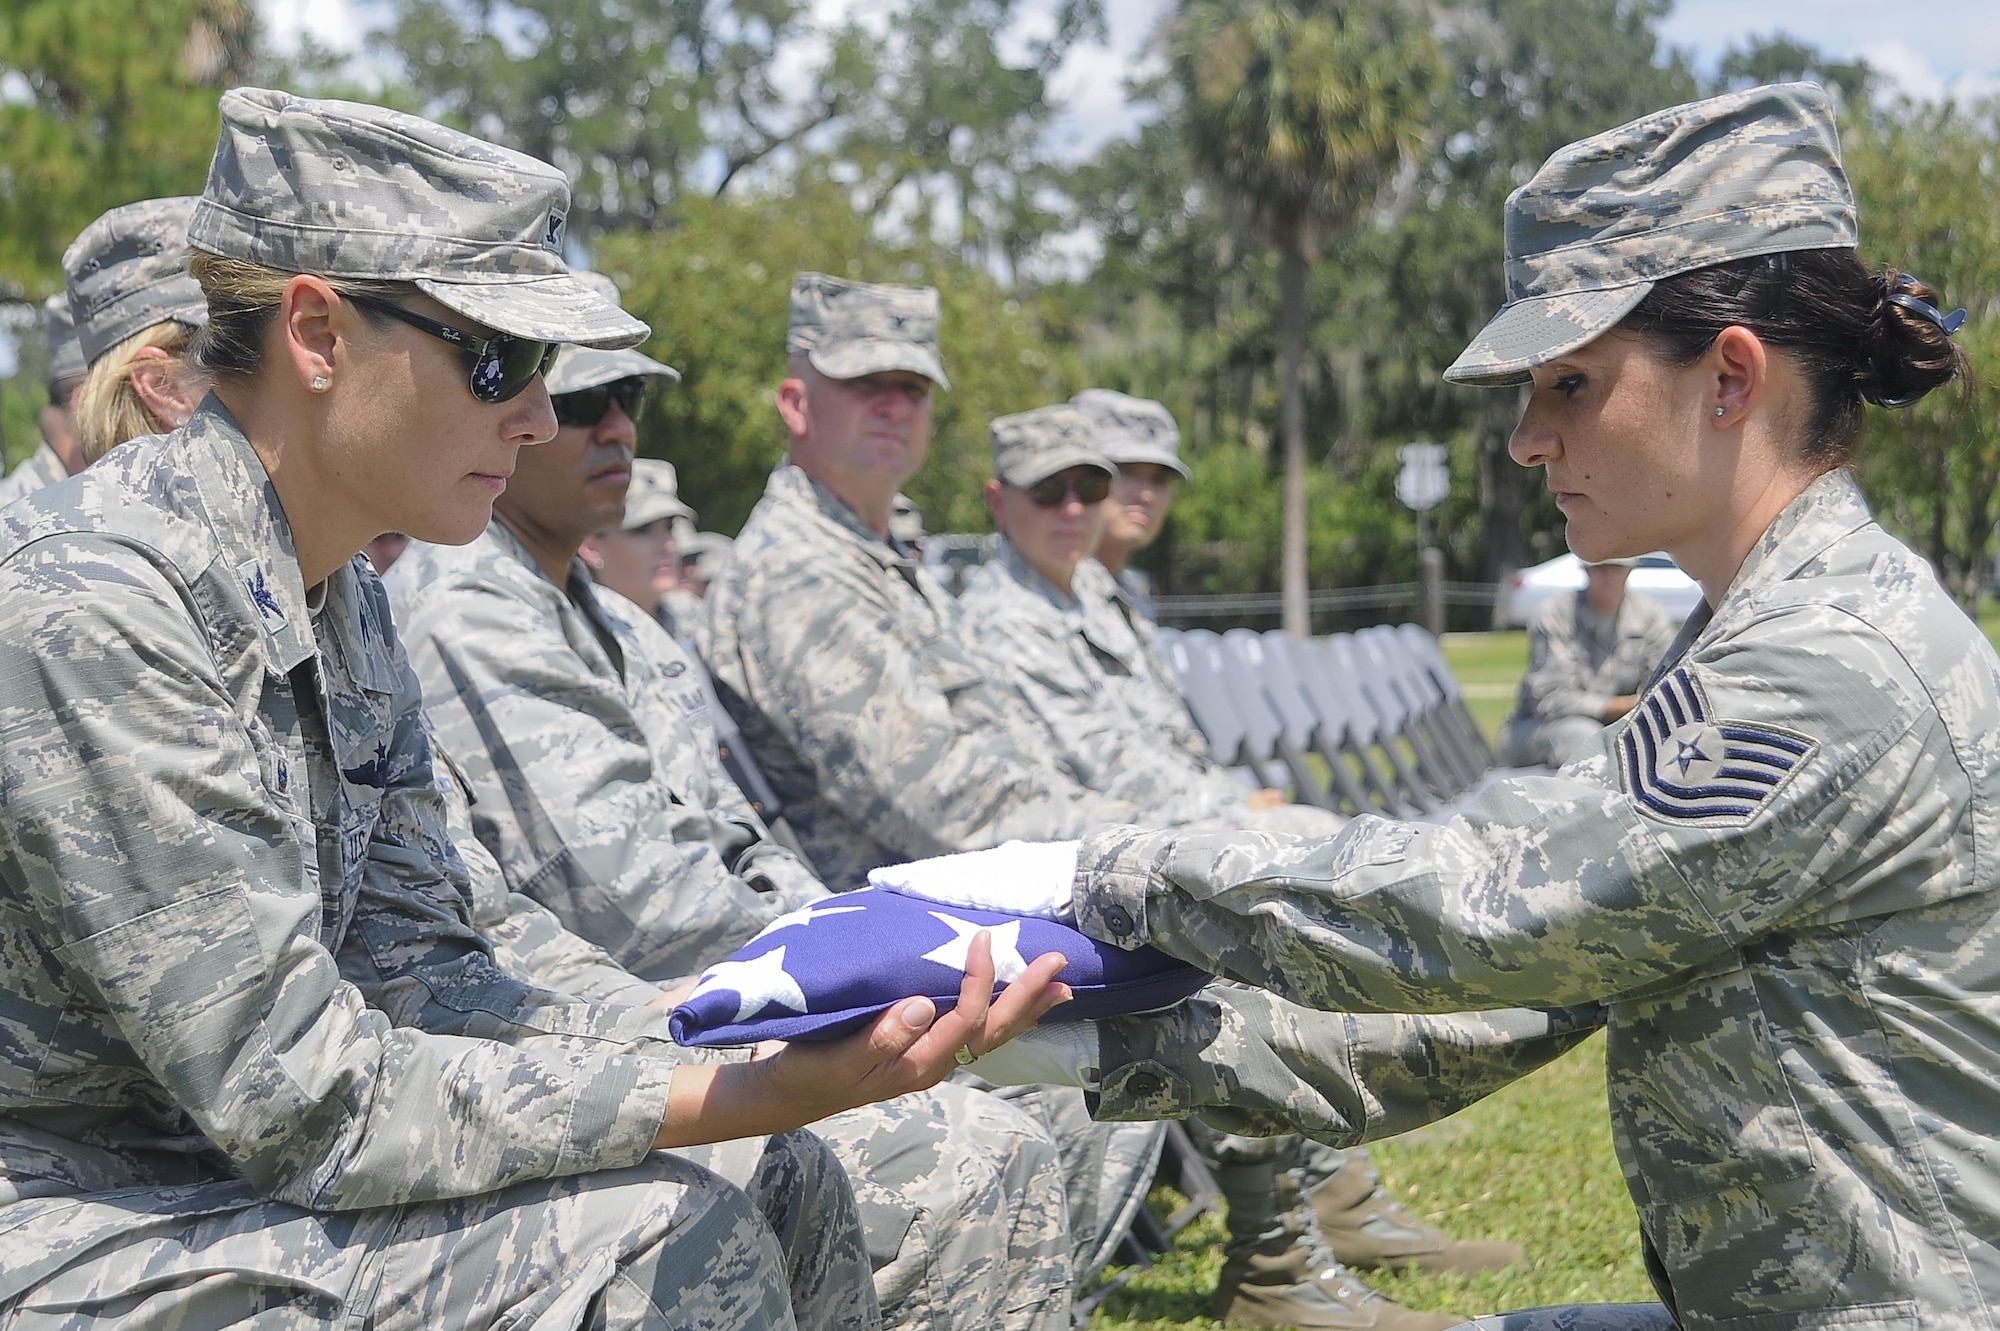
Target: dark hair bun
point(1906, 351)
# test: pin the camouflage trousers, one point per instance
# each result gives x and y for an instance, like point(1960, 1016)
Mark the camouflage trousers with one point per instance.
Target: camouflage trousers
point(665, 1245)
point(1107, 1167)
point(961, 1197)
point(1581, 1317)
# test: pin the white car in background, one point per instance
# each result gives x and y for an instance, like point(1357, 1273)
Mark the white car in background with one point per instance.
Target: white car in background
point(1657, 577)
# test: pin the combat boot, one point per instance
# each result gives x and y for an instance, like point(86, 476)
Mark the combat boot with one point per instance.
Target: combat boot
point(1368, 1229)
point(1278, 1286)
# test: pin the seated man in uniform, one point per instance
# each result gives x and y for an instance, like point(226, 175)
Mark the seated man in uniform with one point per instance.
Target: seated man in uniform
point(1027, 612)
point(1073, 663)
point(582, 734)
point(1589, 655)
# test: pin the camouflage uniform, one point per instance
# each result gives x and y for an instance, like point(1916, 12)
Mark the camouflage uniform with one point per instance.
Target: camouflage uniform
point(849, 671)
point(586, 744)
point(1578, 661)
point(1775, 877)
point(41, 467)
point(584, 736)
point(850, 674)
point(261, 990)
point(1120, 628)
point(1134, 430)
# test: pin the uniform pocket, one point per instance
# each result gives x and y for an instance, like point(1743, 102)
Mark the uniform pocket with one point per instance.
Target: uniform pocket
point(1700, 1092)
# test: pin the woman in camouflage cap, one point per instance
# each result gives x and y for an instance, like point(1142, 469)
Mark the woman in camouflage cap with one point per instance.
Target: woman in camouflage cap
point(254, 1062)
point(136, 312)
point(1774, 882)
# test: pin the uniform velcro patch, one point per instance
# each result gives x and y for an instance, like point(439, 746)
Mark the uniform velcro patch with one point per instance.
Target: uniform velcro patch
point(1682, 762)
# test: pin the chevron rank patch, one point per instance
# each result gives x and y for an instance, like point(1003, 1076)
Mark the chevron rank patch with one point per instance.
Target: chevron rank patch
point(1683, 763)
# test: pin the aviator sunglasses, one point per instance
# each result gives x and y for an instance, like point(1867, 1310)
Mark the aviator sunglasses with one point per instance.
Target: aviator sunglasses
point(502, 365)
point(1089, 488)
point(588, 406)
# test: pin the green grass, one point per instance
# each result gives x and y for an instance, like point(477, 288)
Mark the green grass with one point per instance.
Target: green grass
point(1533, 1164)
point(1489, 667)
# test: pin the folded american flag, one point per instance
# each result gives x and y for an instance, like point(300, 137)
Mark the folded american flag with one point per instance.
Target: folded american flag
point(829, 969)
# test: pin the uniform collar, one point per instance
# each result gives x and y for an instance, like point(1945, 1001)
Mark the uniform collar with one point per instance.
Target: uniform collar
point(790, 485)
point(578, 596)
point(1831, 507)
point(1022, 571)
point(252, 536)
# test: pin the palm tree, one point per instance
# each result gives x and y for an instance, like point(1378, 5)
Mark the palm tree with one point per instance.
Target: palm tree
point(1301, 110)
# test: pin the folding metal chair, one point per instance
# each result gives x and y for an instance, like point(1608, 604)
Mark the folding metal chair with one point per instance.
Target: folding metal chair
point(1347, 728)
point(1462, 748)
point(1357, 668)
point(1196, 668)
point(1448, 770)
point(1269, 673)
point(1427, 651)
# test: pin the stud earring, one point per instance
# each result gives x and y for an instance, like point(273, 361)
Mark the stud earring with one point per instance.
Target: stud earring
point(321, 383)
point(1719, 411)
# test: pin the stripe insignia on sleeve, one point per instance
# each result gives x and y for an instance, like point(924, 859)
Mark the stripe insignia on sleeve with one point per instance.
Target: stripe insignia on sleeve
point(1682, 762)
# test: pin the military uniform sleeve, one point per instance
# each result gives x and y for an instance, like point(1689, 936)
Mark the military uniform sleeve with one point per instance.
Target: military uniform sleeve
point(1560, 680)
point(1735, 801)
point(569, 795)
point(153, 847)
point(834, 667)
point(1249, 1062)
point(527, 941)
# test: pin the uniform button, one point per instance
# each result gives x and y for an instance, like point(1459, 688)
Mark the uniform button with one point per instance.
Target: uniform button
point(1144, 1083)
point(1119, 919)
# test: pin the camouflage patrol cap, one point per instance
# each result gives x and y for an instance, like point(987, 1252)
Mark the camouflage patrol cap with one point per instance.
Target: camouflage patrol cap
point(1744, 174)
point(1133, 429)
point(128, 271)
point(848, 329)
point(578, 368)
point(65, 352)
point(653, 494)
point(1032, 446)
point(346, 190)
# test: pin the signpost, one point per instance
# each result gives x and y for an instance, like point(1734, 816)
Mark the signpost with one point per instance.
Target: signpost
point(1422, 485)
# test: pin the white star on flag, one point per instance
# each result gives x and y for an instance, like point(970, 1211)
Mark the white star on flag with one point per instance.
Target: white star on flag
point(805, 915)
point(757, 983)
point(1008, 963)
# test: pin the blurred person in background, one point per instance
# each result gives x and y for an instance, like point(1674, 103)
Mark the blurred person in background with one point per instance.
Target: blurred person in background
point(137, 311)
point(1589, 656)
point(57, 456)
point(631, 557)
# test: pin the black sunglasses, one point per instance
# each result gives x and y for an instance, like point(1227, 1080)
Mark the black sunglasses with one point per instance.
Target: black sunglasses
point(588, 406)
point(502, 365)
point(1089, 488)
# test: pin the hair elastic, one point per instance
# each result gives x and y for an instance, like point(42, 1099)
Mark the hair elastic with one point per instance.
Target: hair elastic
point(1917, 305)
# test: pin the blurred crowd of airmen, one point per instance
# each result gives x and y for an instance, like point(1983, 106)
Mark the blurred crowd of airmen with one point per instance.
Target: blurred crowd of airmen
point(613, 751)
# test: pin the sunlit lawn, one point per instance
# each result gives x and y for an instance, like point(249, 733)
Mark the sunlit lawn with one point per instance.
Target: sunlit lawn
point(1532, 1163)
